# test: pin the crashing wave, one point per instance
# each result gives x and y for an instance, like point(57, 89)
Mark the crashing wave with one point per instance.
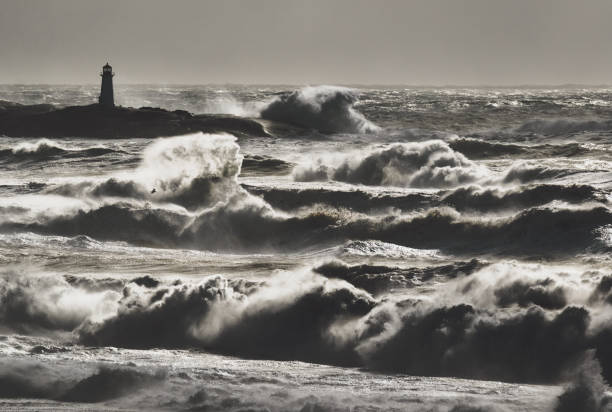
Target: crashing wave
point(200, 173)
point(192, 171)
point(328, 109)
point(526, 333)
point(221, 315)
point(587, 390)
point(465, 198)
point(36, 303)
point(378, 279)
point(427, 164)
point(424, 164)
point(249, 224)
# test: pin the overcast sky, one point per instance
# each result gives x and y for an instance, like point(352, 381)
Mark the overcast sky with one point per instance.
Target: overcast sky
point(419, 42)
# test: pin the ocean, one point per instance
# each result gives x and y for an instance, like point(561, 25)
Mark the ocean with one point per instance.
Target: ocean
point(385, 249)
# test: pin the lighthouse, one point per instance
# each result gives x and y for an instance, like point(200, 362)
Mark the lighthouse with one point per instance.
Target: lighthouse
point(107, 98)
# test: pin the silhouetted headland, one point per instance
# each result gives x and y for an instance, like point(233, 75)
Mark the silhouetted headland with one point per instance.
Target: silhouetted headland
point(98, 121)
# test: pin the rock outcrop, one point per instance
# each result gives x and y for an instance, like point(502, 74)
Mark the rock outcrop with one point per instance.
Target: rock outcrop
point(96, 121)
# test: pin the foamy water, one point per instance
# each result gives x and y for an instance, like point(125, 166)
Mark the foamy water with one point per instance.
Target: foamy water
point(387, 249)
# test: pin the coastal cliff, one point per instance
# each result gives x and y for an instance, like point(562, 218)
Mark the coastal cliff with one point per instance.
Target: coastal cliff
point(95, 121)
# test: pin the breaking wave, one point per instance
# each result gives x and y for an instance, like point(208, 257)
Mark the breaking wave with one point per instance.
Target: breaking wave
point(428, 164)
point(472, 197)
point(38, 303)
point(587, 390)
point(199, 172)
point(378, 279)
point(290, 199)
point(425, 164)
point(192, 171)
point(251, 225)
point(424, 254)
point(45, 149)
point(221, 315)
point(524, 197)
point(533, 332)
point(525, 172)
point(328, 109)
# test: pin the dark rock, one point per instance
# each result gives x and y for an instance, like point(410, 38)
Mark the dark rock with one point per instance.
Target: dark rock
point(117, 122)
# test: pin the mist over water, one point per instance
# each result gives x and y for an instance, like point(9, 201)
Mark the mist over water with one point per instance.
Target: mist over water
point(386, 249)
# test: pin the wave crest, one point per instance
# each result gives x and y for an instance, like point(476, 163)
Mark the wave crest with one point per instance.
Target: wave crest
point(45, 149)
point(424, 164)
point(192, 171)
point(303, 316)
point(328, 109)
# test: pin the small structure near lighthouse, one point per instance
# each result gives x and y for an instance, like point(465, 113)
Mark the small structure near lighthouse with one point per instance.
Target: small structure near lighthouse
point(107, 98)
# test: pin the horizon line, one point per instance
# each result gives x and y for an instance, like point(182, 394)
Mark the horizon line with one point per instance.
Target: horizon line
point(369, 85)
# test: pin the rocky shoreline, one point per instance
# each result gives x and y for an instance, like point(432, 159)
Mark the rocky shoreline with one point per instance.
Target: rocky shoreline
point(95, 121)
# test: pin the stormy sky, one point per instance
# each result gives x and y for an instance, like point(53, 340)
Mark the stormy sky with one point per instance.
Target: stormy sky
point(418, 42)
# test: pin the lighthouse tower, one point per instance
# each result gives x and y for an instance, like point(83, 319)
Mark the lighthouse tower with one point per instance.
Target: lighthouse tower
point(107, 98)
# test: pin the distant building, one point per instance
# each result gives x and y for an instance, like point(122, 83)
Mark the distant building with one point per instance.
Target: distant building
point(107, 98)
